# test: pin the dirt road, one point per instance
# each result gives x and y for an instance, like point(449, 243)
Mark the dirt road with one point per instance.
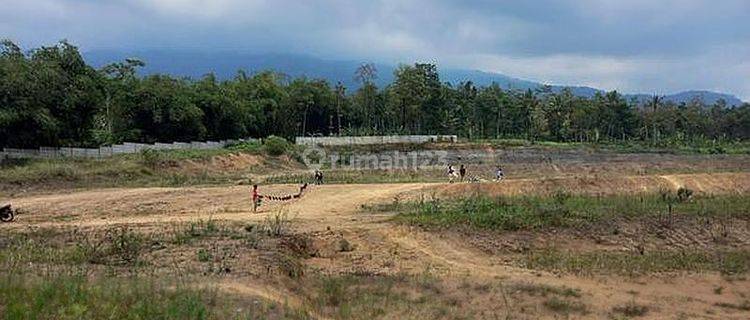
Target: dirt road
point(321, 205)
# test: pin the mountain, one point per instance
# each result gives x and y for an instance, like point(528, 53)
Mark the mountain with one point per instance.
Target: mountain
point(195, 64)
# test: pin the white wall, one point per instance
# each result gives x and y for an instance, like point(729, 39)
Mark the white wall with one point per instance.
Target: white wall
point(106, 151)
point(365, 140)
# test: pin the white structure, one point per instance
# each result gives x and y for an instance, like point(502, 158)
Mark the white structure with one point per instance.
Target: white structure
point(126, 147)
point(365, 140)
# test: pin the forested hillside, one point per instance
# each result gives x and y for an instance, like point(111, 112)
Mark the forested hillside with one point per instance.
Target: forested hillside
point(224, 64)
point(51, 97)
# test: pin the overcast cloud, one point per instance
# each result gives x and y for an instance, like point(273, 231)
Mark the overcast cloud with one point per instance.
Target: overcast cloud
point(630, 45)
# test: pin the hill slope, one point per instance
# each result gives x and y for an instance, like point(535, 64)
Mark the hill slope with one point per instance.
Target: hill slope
point(225, 64)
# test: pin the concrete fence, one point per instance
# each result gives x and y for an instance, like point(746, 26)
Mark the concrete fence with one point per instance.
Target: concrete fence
point(365, 140)
point(107, 151)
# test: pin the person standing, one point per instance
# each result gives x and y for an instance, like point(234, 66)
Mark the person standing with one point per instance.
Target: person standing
point(256, 198)
point(318, 177)
point(451, 174)
point(499, 175)
point(462, 172)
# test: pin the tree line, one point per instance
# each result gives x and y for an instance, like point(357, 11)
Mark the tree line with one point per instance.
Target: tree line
point(49, 96)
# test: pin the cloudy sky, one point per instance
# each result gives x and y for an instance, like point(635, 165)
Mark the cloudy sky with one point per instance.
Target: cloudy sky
point(651, 46)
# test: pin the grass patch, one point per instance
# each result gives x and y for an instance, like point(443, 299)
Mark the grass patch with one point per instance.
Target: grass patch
point(73, 297)
point(78, 297)
point(372, 297)
point(116, 171)
point(544, 290)
point(253, 147)
point(204, 255)
point(111, 247)
point(147, 168)
point(602, 262)
point(559, 210)
point(120, 273)
point(364, 176)
point(564, 306)
point(195, 230)
point(631, 309)
point(742, 306)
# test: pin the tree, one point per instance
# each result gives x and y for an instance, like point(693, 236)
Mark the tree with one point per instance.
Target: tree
point(164, 111)
point(416, 91)
point(489, 107)
point(366, 73)
point(120, 81)
point(49, 96)
point(311, 103)
point(340, 102)
point(559, 109)
point(224, 115)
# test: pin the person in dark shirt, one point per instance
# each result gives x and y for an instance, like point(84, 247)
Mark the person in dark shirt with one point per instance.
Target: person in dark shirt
point(318, 177)
point(462, 172)
point(256, 198)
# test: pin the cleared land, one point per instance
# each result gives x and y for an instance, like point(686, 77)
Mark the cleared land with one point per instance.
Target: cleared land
point(588, 237)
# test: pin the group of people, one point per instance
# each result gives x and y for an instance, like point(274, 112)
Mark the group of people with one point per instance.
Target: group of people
point(258, 198)
point(452, 175)
point(318, 180)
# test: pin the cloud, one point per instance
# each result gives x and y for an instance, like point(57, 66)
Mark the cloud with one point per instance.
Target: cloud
point(214, 9)
point(724, 70)
point(635, 45)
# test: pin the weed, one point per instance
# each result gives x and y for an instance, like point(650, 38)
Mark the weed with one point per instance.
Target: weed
point(291, 266)
point(587, 263)
point(89, 248)
point(560, 210)
point(126, 245)
point(631, 309)
point(252, 236)
point(545, 290)
point(564, 306)
point(79, 297)
point(333, 291)
point(151, 158)
point(371, 296)
point(743, 306)
point(195, 230)
point(204, 255)
point(345, 246)
point(277, 225)
point(252, 147)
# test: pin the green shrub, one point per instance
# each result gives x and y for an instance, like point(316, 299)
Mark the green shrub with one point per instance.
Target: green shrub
point(204, 255)
point(275, 146)
point(151, 158)
point(127, 245)
point(246, 146)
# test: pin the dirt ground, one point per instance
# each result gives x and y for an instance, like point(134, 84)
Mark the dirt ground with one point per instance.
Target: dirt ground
point(376, 246)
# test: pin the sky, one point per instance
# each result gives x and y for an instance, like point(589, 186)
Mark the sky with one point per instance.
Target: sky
point(647, 46)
